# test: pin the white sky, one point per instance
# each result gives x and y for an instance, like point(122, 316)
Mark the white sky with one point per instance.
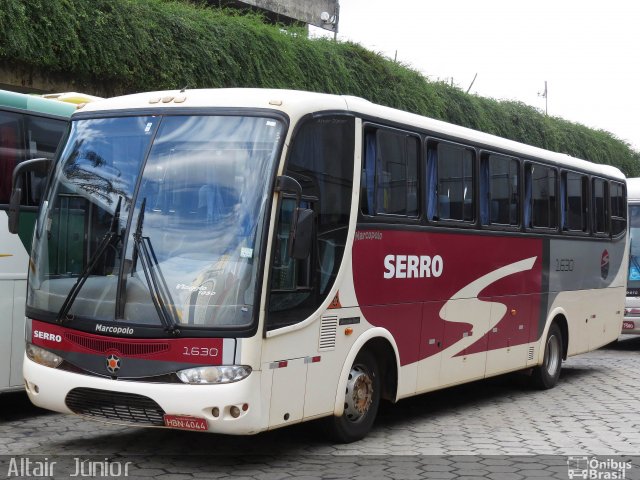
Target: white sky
point(587, 51)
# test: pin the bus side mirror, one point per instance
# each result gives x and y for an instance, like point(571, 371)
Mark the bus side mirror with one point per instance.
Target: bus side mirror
point(303, 234)
point(37, 164)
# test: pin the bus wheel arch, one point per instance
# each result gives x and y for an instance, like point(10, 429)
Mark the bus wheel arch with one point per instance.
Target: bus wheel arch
point(388, 365)
point(369, 374)
point(554, 350)
point(562, 323)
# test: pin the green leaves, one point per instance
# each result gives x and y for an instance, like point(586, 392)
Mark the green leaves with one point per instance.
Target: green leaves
point(124, 46)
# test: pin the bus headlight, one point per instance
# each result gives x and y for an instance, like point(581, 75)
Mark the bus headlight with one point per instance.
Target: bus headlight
point(42, 356)
point(209, 375)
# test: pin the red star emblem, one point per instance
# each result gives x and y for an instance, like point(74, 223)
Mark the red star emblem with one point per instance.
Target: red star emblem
point(113, 364)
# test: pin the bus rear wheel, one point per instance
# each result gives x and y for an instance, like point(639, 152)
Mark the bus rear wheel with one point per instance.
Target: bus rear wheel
point(546, 376)
point(362, 398)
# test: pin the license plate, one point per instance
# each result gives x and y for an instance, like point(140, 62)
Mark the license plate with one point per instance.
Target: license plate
point(185, 422)
point(628, 325)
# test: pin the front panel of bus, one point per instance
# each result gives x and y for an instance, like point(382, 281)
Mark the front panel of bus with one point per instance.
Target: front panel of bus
point(631, 323)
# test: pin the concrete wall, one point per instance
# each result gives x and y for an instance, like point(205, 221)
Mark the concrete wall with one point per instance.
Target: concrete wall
point(17, 78)
point(307, 11)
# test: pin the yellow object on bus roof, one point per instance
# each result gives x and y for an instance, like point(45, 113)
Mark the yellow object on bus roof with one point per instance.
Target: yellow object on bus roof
point(72, 97)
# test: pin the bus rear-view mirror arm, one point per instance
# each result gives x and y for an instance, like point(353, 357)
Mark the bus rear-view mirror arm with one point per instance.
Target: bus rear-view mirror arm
point(16, 190)
point(302, 221)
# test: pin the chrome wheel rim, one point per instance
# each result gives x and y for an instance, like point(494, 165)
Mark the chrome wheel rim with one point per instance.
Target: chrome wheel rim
point(359, 395)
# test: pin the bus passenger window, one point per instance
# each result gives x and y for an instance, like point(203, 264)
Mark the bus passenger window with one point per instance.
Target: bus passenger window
point(541, 196)
point(450, 183)
point(390, 173)
point(573, 198)
point(500, 190)
point(10, 152)
point(600, 211)
point(618, 209)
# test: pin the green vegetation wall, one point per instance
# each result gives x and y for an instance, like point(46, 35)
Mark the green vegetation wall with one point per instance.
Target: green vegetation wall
point(111, 47)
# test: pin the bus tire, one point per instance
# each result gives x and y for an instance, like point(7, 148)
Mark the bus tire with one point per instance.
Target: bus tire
point(546, 376)
point(362, 398)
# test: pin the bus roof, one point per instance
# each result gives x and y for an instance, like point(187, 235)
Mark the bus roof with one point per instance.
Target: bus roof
point(35, 104)
point(298, 103)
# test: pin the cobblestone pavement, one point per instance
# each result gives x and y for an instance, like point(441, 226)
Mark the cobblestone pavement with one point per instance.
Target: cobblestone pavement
point(494, 429)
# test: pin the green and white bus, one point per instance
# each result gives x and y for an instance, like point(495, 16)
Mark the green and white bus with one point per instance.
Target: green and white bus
point(30, 127)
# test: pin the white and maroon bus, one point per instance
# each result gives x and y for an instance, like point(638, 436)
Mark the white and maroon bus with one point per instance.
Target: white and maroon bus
point(631, 323)
point(238, 260)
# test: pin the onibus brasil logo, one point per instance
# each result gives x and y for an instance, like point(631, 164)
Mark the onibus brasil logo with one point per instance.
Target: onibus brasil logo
point(597, 469)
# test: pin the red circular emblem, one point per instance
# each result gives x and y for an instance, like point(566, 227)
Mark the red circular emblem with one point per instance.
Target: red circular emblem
point(113, 363)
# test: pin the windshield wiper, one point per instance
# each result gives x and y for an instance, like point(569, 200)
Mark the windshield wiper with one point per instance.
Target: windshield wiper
point(109, 239)
point(160, 294)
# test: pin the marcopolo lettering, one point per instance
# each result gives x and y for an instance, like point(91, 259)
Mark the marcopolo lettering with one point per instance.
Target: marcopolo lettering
point(52, 337)
point(413, 266)
point(117, 330)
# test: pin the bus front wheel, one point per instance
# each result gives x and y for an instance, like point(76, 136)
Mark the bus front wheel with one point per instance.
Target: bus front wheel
point(362, 398)
point(546, 376)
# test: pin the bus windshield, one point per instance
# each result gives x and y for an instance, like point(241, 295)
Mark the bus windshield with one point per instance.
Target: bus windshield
point(634, 254)
point(156, 221)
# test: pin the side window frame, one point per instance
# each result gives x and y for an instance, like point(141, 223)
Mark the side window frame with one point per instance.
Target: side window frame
point(617, 219)
point(607, 209)
point(432, 198)
point(565, 207)
point(369, 198)
point(20, 155)
point(529, 199)
point(322, 161)
point(485, 192)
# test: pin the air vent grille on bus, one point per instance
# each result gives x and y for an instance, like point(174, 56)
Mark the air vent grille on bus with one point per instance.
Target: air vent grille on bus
point(100, 345)
point(531, 349)
point(328, 327)
point(116, 406)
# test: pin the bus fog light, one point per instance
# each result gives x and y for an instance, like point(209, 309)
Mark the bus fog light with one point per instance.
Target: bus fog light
point(42, 356)
point(214, 375)
point(215, 411)
point(234, 411)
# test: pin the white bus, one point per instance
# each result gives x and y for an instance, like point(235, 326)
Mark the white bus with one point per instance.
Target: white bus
point(30, 127)
point(238, 260)
point(631, 323)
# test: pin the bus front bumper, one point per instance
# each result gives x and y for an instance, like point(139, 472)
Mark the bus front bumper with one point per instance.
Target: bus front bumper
point(142, 404)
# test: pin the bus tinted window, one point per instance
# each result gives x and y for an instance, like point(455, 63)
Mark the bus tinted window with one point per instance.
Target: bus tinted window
point(450, 174)
point(23, 137)
point(501, 203)
point(574, 198)
point(11, 151)
point(321, 160)
point(600, 223)
point(541, 186)
point(391, 173)
point(618, 208)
